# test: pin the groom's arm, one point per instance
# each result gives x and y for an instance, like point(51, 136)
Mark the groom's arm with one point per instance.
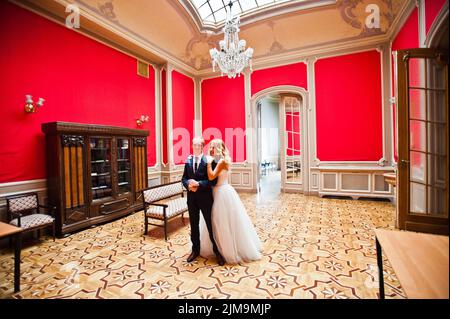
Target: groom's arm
point(185, 178)
point(206, 183)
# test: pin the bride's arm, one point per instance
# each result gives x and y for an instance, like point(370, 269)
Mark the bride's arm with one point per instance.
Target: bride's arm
point(212, 174)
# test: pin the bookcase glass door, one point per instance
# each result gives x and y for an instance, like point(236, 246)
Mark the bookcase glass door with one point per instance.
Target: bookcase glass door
point(100, 167)
point(123, 165)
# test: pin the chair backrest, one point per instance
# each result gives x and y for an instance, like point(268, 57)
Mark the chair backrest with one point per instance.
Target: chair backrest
point(156, 193)
point(22, 203)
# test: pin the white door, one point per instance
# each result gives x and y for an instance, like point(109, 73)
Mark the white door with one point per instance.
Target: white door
point(292, 140)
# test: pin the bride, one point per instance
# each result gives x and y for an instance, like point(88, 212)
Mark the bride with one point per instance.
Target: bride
point(233, 230)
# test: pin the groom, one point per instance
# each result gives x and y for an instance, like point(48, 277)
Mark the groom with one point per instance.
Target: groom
point(199, 197)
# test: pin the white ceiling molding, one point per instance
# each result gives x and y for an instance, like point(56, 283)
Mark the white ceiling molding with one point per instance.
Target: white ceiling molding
point(323, 51)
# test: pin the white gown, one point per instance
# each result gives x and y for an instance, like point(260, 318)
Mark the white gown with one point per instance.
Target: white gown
point(233, 230)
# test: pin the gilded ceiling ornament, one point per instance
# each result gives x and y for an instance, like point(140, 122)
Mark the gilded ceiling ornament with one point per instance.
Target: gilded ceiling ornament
point(107, 10)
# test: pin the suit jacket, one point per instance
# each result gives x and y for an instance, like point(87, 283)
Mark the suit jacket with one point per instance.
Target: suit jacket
point(201, 176)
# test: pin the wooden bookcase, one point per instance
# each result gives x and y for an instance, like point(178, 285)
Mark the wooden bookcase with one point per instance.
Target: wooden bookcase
point(94, 173)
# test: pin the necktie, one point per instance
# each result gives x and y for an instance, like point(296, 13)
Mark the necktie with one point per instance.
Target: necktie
point(195, 165)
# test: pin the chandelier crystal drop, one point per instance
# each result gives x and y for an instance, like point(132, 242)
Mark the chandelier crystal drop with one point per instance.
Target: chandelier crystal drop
point(232, 57)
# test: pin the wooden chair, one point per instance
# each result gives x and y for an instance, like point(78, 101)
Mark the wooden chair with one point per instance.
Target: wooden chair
point(24, 211)
point(174, 204)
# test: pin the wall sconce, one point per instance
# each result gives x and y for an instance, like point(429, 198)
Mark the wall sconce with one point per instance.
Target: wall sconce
point(141, 120)
point(30, 107)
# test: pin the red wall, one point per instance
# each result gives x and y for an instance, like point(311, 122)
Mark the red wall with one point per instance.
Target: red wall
point(223, 106)
point(407, 38)
point(80, 79)
point(432, 8)
point(348, 107)
point(183, 113)
point(294, 74)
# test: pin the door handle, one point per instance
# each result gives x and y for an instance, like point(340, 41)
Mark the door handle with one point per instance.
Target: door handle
point(403, 163)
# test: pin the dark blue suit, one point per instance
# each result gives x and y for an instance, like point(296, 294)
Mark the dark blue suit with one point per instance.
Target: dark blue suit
point(201, 200)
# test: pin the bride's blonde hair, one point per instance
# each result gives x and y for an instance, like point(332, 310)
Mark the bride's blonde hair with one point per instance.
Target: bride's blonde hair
point(221, 149)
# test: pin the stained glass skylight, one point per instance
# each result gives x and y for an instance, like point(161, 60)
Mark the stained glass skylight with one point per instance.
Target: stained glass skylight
point(215, 11)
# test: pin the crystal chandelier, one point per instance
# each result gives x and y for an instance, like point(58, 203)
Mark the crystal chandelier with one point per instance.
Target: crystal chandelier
point(232, 57)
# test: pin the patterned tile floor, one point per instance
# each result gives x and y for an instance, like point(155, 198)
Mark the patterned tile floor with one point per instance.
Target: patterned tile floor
point(313, 248)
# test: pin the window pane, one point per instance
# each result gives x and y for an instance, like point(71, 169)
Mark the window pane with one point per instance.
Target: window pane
point(296, 138)
point(437, 169)
point(216, 4)
point(123, 165)
point(417, 136)
point(220, 15)
point(296, 119)
point(417, 73)
point(263, 2)
point(204, 11)
point(417, 167)
point(437, 138)
point(198, 3)
point(417, 199)
point(436, 74)
point(248, 4)
point(100, 167)
point(436, 199)
point(436, 106)
point(417, 104)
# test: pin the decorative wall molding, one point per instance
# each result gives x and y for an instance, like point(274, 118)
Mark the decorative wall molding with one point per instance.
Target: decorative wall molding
point(169, 119)
point(422, 29)
point(300, 55)
point(14, 188)
point(354, 182)
point(172, 176)
point(386, 109)
point(312, 127)
point(157, 119)
point(252, 126)
point(160, 89)
point(198, 129)
point(361, 164)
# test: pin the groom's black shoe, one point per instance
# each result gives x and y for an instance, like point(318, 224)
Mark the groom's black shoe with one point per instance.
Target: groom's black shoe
point(220, 260)
point(192, 257)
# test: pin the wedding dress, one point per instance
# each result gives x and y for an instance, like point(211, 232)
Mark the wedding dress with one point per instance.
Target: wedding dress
point(233, 230)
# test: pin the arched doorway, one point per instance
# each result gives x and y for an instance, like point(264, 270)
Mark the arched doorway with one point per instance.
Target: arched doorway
point(293, 137)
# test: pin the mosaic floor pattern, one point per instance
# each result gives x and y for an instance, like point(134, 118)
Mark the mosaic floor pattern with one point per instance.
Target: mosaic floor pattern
point(313, 248)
